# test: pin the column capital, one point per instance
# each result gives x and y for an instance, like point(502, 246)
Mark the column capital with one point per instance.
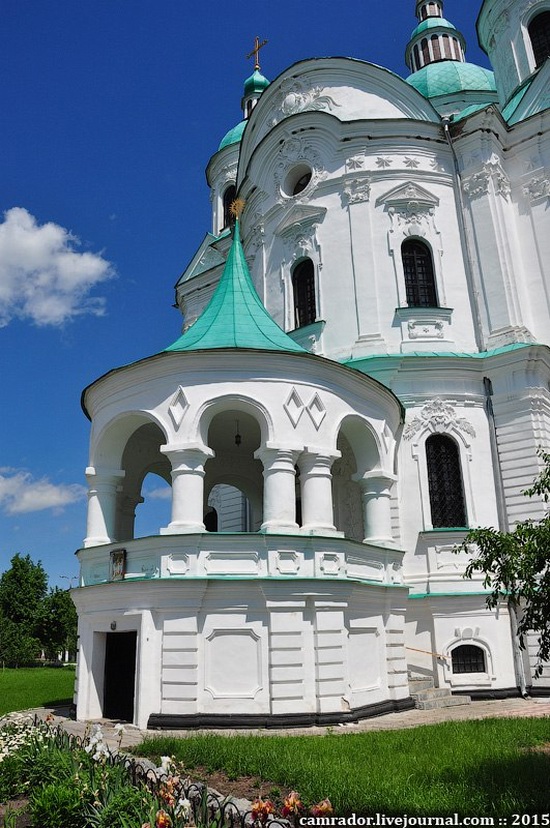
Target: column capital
point(106, 476)
point(189, 456)
point(317, 459)
point(277, 457)
point(375, 482)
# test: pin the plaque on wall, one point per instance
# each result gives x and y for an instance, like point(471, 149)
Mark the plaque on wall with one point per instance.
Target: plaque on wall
point(118, 564)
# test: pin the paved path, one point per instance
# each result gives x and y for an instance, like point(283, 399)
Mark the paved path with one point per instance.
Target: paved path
point(513, 708)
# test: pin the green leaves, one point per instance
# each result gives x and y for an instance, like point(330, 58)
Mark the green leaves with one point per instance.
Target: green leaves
point(516, 565)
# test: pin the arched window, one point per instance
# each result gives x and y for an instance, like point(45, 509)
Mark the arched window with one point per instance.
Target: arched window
point(445, 482)
point(425, 50)
point(303, 289)
point(539, 32)
point(228, 198)
point(435, 47)
point(468, 659)
point(419, 274)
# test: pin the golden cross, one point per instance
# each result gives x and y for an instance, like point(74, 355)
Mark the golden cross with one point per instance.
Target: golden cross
point(255, 53)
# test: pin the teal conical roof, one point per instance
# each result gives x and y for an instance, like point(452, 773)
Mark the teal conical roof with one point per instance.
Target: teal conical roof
point(235, 316)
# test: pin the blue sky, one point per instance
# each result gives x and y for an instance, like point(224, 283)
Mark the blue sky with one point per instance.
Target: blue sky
point(110, 112)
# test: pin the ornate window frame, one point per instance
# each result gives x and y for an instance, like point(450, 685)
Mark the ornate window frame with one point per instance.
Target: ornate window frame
point(471, 636)
point(440, 417)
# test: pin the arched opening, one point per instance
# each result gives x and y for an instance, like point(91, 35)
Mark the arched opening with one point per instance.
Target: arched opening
point(467, 658)
point(132, 444)
point(229, 197)
point(419, 274)
point(435, 47)
point(539, 33)
point(233, 477)
point(303, 291)
point(348, 508)
point(228, 510)
point(445, 482)
point(153, 509)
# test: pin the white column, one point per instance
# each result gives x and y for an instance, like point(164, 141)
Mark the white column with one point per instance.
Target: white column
point(316, 490)
point(102, 502)
point(376, 493)
point(187, 488)
point(126, 514)
point(279, 489)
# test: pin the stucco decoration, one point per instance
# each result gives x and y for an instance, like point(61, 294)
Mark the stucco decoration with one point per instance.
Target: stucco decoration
point(294, 407)
point(228, 174)
point(293, 151)
point(478, 183)
point(316, 410)
point(438, 415)
point(537, 188)
point(298, 229)
point(356, 162)
point(178, 407)
point(356, 191)
point(411, 208)
point(297, 95)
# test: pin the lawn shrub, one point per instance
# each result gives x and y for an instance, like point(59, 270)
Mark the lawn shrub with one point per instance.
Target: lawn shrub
point(58, 804)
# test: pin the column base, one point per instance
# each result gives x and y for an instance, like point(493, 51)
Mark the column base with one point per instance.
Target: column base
point(330, 531)
point(100, 541)
point(274, 528)
point(182, 529)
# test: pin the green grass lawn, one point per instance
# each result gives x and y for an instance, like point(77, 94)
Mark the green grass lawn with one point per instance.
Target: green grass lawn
point(479, 768)
point(34, 687)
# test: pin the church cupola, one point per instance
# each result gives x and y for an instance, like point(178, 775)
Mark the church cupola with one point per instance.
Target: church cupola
point(256, 83)
point(434, 39)
point(436, 57)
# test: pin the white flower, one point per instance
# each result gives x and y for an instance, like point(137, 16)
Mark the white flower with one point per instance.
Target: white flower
point(183, 808)
point(165, 762)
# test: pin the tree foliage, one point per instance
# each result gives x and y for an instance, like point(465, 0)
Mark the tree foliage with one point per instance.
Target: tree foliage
point(516, 565)
point(31, 618)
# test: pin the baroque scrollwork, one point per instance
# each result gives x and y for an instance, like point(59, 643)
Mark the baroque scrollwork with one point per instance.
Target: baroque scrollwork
point(438, 415)
point(537, 188)
point(356, 190)
point(296, 95)
point(478, 183)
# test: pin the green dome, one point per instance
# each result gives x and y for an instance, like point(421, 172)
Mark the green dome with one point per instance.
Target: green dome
point(255, 83)
point(432, 23)
point(448, 76)
point(233, 136)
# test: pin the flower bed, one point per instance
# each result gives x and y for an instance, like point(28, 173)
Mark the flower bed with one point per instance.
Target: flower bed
point(62, 780)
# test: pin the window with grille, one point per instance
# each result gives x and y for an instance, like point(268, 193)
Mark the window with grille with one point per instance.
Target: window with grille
point(419, 274)
point(445, 482)
point(303, 287)
point(228, 198)
point(539, 32)
point(468, 659)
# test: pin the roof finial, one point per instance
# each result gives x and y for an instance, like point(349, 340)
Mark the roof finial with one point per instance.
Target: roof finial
point(236, 208)
point(255, 53)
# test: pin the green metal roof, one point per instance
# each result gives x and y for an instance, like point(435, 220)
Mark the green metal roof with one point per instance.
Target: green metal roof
point(432, 23)
point(233, 136)
point(255, 83)
point(448, 76)
point(235, 316)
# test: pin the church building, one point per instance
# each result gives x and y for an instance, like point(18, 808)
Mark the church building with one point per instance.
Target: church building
point(362, 374)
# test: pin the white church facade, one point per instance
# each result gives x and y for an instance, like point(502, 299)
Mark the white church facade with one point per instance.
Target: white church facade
point(364, 369)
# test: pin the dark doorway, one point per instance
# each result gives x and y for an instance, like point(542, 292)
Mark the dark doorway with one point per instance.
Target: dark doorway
point(120, 676)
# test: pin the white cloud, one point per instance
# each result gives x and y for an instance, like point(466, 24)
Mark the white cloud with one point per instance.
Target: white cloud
point(20, 493)
point(43, 278)
point(162, 493)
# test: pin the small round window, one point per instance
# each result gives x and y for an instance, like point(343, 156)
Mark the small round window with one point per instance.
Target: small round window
point(297, 180)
